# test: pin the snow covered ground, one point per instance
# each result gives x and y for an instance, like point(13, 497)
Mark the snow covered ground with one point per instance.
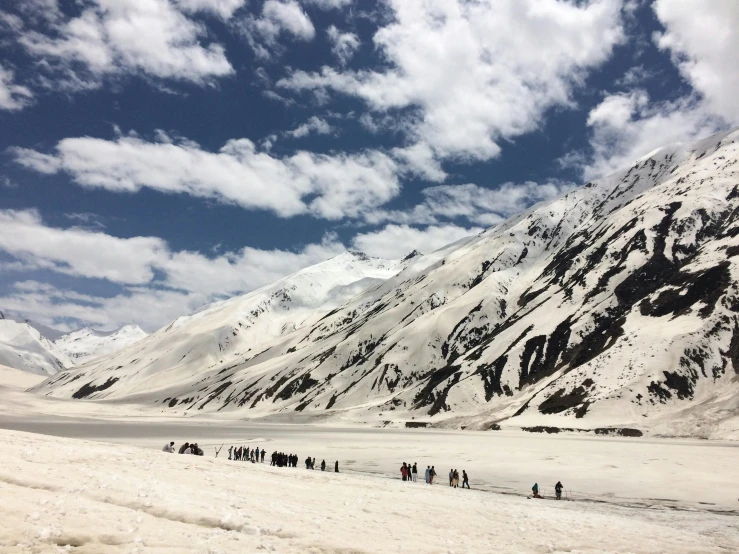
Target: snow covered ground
point(71, 495)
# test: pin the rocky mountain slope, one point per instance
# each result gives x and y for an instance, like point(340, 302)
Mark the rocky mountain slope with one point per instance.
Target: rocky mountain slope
point(22, 347)
point(86, 344)
point(614, 305)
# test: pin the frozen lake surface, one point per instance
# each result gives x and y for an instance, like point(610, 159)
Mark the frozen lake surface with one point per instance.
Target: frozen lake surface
point(690, 474)
point(69, 495)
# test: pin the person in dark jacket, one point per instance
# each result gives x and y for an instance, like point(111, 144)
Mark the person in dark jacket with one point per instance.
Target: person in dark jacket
point(263, 453)
point(414, 471)
point(323, 465)
point(184, 448)
point(432, 474)
point(558, 490)
point(336, 467)
point(465, 479)
point(230, 452)
point(404, 472)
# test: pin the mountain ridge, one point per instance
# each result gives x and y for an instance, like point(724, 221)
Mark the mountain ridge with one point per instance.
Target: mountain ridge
point(614, 304)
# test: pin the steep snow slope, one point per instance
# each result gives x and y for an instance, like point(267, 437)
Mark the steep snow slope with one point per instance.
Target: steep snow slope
point(47, 332)
point(22, 347)
point(87, 344)
point(227, 332)
point(615, 304)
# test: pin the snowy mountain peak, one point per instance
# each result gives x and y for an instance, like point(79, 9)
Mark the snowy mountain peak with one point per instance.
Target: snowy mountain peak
point(87, 344)
point(23, 347)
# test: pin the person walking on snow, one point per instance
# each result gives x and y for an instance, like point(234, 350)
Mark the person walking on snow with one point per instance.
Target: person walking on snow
point(558, 490)
point(535, 490)
point(465, 479)
point(169, 448)
point(428, 474)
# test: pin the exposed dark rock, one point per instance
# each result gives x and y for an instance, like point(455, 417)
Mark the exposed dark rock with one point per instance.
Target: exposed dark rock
point(88, 388)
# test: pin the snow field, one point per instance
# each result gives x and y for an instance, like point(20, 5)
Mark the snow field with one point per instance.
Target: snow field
point(67, 495)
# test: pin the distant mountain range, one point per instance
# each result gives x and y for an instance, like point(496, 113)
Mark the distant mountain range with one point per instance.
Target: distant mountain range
point(616, 304)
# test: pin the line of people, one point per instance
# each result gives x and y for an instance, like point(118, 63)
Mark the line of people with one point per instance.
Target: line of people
point(409, 473)
point(243, 454)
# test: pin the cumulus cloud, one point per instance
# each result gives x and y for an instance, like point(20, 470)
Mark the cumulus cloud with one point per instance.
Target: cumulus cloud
point(277, 17)
point(12, 96)
point(313, 125)
point(327, 186)
point(145, 267)
point(329, 4)
point(478, 205)
point(343, 45)
point(222, 8)
point(473, 73)
point(703, 38)
point(625, 127)
point(396, 241)
point(117, 37)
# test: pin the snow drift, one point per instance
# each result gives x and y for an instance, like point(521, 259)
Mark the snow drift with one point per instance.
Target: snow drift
point(614, 305)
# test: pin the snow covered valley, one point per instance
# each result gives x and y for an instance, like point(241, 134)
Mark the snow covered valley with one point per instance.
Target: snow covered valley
point(95, 497)
point(64, 463)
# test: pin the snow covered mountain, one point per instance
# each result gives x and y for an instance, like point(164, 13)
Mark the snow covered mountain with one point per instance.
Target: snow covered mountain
point(229, 331)
point(614, 305)
point(22, 347)
point(87, 344)
point(46, 331)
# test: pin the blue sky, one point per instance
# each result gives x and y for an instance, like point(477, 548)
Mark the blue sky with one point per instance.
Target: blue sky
point(161, 154)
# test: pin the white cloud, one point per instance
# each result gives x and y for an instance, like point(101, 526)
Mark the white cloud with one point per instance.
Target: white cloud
point(77, 251)
point(473, 73)
point(343, 45)
point(12, 96)
point(313, 125)
point(628, 126)
point(396, 241)
point(703, 37)
point(328, 186)
point(329, 4)
point(222, 8)
point(277, 17)
point(158, 284)
point(479, 205)
point(114, 37)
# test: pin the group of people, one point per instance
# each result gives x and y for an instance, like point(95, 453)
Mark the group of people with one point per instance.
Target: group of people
point(557, 490)
point(278, 459)
point(409, 472)
point(243, 454)
point(186, 448)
